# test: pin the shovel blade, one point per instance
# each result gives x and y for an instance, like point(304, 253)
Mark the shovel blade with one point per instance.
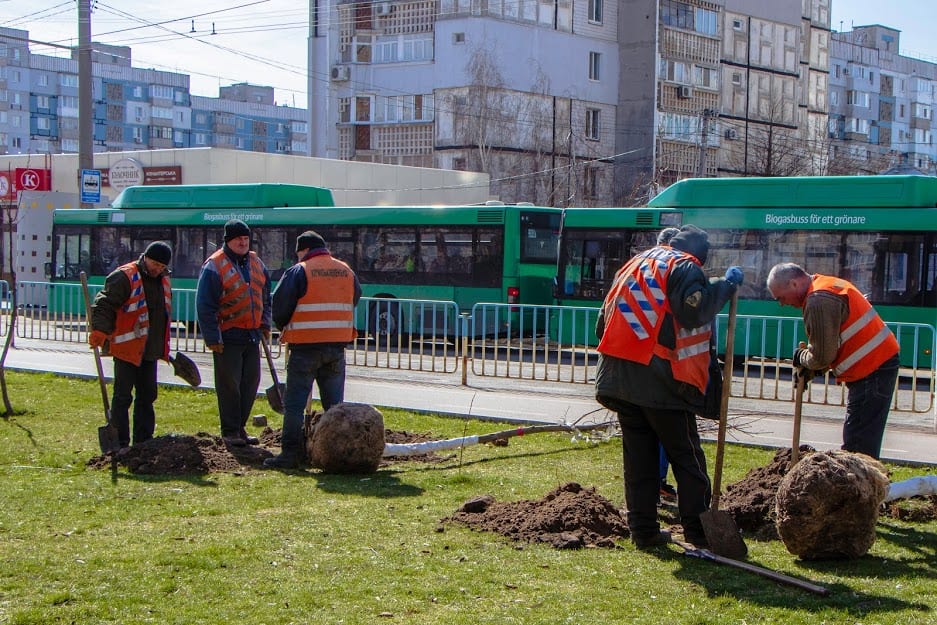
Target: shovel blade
point(275, 393)
point(108, 439)
point(723, 534)
point(185, 368)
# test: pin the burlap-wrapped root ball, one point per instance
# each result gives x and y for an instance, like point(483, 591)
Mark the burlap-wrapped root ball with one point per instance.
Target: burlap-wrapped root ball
point(347, 438)
point(828, 505)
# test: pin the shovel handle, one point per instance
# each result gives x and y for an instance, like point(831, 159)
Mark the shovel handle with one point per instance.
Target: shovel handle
point(798, 412)
point(97, 355)
point(273, 369)
point(724, 400)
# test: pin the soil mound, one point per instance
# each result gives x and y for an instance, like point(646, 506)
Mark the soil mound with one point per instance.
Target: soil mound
point(568, 517)
point(182, 454)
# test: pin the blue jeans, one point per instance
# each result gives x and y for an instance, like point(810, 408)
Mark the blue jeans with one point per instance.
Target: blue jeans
point(867, 409)
point(323, 365)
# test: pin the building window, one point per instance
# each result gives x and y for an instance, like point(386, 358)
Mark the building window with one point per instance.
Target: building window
point(857, 98)
point(590, 183)
point(676, 14)
point(163, 92)
point(68, 80)
point(737, 25)
point(736, 78)
point(706, 22)
point(594, 67)
point(706, 77)
point(834, 98)
point(595, 11)
point(592, 124)
point(458, 38)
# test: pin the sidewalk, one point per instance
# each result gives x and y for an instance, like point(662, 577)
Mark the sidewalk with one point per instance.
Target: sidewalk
point(910, 438)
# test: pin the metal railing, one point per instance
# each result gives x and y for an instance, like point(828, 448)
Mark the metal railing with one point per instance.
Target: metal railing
point(526, 342)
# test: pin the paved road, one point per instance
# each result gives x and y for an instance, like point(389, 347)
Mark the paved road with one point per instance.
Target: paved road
point(909, 438)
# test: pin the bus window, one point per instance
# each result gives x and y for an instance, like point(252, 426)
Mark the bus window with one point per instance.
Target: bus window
point(189, 253)
point(540, 235)
point(275, 247)
point(487, 263)
point(110, 248)
point(73, 254)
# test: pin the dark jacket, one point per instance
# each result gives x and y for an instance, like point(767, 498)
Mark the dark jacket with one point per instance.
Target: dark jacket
point(208, 301)
point(292, 286)
point(116, 291)
point(694, 301)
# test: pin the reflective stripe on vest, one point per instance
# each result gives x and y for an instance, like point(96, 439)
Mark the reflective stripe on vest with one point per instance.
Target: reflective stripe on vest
point(865, 342)
point(241, 304)
point(634, 312)
point(132, 325)
point(325, 313)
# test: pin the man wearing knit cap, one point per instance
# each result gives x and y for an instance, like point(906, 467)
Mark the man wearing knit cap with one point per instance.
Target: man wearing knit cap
point(134, 322)
point(233, 303)
point(654, 330)
point(314, 307)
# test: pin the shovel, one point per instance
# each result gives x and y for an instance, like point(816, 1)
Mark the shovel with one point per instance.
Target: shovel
point(720, 528)
point(185, 368)
point(108, 439)
point(798, 411)
point(276, 390)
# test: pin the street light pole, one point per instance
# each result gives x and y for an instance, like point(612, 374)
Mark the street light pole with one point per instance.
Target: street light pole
point(85, 103)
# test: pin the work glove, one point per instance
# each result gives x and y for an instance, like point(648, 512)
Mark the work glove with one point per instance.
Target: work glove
point(265, 334)
point(800, 357)
point(97, 338)
point(734, 275)
point(217, 348)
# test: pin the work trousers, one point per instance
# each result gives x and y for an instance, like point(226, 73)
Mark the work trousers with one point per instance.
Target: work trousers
point(643, 431)
point(867, 409)
point(237, 377)
point(323, 365)
point(130, 378)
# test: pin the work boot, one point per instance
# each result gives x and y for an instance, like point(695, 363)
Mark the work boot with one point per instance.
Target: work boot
point(250, 440)
point(650, 541)
point(285, 460)
point(667, 492)
point(234, 441)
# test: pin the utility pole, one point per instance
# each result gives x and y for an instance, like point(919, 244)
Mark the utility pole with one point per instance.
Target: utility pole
point(705, 116)
point(85, 103)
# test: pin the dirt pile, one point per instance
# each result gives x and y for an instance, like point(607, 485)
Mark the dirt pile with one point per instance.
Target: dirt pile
point(828, 505)
point(182, 454)
point(751, 500)
point(569, 517)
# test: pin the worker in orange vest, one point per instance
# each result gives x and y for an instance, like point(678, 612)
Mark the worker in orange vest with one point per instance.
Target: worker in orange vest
point(234, 314)
point(314, 308)
point(849, 338)
point(132, 315)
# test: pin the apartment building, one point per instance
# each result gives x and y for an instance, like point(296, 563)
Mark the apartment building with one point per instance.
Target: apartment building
point(134, 108)
point(573, 102)
point(881, 104)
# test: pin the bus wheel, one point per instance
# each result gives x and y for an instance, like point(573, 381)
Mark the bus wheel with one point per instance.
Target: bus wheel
point(384, 318)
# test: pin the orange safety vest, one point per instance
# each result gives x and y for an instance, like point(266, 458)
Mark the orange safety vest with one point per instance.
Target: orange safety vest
point(865, 342)
point(133, 320)
point(242, 304)
point(325, 313)
point(634, 312)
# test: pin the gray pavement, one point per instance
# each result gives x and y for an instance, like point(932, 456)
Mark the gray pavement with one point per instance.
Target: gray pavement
point(909, 438)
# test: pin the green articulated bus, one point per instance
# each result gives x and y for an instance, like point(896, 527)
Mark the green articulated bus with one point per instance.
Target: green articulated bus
point(465, 254)
point(879, 232)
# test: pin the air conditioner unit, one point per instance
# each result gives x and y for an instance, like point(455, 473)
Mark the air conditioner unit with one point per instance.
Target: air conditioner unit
point(732, 134)
point(340, 73)
point(382, 8)
point(684, 92)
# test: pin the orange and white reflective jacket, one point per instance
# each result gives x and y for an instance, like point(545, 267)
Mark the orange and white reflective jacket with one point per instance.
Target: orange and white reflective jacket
point(634, 312)
point(325, 313)
point(865, 342)
point(132, 325)
point(242, 304)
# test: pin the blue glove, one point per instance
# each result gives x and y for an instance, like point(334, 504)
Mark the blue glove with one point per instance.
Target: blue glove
point(734, 275)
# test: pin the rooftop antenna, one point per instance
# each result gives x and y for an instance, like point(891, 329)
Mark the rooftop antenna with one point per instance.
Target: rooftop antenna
point(213, 29)
point(193, 27)
point(840, 25)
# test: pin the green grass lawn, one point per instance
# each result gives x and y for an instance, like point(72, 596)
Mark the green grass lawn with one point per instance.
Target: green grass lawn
point(263, 547)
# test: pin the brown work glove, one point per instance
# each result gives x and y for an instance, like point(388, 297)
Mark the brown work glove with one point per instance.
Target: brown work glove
point(217, 348)
point(97, 338)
